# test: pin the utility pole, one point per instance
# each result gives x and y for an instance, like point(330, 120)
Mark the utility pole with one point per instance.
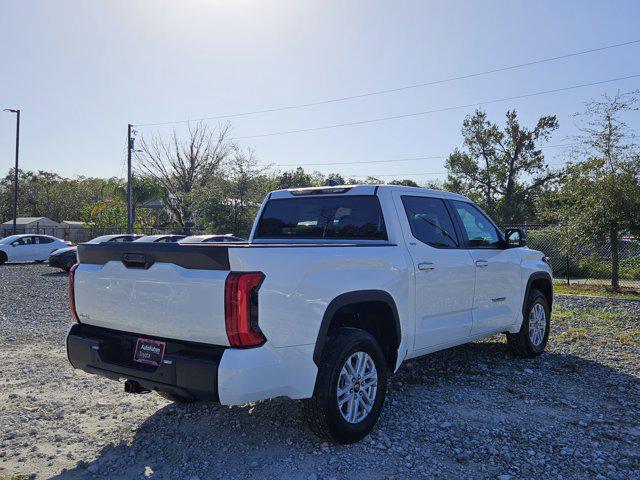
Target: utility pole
point(15, 173)
point(130, 141)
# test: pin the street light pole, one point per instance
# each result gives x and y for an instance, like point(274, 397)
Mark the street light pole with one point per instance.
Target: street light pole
point(129, 199)
point(15, 173)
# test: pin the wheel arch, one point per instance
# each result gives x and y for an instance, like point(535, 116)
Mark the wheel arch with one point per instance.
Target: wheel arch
point(357, 299)
point(539, 281)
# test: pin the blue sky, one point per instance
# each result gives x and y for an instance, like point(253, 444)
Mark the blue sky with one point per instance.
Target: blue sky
point(80, 71)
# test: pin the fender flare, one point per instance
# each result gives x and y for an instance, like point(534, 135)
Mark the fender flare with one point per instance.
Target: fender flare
point(537, 276)
point(349, 298)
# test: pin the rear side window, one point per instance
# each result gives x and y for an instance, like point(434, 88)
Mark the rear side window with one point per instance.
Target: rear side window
point(430, 221)
point(348, 217)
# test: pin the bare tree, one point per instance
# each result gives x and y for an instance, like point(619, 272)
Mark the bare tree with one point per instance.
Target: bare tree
point(184, 166)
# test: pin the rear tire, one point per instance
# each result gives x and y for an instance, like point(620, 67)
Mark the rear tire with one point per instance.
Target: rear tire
point(532, 338)
point(172, 397)
point(348, 415)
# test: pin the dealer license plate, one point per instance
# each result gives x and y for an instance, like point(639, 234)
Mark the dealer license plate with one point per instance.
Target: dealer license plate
point(148, 351)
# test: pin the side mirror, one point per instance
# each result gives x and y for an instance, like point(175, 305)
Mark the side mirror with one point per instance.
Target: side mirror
point(515, 237)
point(14, 244)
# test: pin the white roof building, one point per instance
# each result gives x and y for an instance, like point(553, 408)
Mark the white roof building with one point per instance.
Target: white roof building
point(31, 222)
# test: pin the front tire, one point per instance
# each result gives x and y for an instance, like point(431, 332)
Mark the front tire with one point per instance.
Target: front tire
point(350, 388)
point(532, 338)
point(3, 257)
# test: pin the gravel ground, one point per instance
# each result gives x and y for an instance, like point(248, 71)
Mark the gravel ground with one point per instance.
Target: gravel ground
point(469, 412)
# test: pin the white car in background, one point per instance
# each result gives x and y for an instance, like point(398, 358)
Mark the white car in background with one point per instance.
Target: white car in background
point(29, 248)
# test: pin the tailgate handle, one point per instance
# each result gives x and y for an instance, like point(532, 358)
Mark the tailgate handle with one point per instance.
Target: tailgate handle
point(137, 260)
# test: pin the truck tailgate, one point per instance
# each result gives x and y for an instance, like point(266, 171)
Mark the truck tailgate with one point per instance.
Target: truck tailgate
point(163, 290)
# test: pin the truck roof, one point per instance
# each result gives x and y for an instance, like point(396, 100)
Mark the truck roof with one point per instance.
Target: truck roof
point(362, 190)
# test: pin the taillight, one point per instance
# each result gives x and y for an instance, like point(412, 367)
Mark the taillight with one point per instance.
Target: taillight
point(241, 309)
point(72, 295)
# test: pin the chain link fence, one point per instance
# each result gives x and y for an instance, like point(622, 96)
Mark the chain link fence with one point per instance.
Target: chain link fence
point(578, 258)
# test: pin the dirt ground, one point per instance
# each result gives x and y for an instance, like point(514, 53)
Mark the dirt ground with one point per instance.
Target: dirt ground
point(470, 412)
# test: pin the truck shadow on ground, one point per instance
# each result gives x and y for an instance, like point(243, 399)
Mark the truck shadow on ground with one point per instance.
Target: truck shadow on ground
point(480, 383)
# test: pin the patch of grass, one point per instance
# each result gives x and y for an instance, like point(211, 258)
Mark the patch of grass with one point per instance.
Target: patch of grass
point(595, 326)
point(594, 290)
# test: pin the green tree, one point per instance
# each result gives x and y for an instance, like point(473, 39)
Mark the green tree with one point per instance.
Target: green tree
point(50, 195)
point(144, 188)
point(601, 192)
point(406, 182)
point(109, 217)
point(501, 168)
point(297, 178)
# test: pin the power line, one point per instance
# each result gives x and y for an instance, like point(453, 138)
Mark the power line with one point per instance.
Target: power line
point(398, 175)
point(438, 110)
point(391, 160)
point(437, 157)
point(397, 89)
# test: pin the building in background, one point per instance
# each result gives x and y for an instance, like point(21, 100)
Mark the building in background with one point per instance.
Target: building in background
point(42, 225)
point(75, 232)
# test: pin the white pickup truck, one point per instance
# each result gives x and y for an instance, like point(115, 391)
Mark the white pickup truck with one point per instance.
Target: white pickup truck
point(334, 289)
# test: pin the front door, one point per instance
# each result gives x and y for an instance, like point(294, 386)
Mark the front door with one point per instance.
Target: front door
point(22, 249)
point(498, 277)
point(444, 273)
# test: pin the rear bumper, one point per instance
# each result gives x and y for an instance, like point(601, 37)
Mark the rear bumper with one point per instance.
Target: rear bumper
point(188, 369)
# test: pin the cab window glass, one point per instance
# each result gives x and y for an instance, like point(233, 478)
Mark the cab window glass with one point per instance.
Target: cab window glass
point(480, 231)
point(336, 217)
point(430, 221)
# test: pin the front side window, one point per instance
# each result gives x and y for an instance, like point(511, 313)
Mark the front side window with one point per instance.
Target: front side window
point(344, 217)
point(479, 229)
point(430, 221)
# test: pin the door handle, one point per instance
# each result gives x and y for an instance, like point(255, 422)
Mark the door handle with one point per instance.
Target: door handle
point(426, 266)
point(482, 263)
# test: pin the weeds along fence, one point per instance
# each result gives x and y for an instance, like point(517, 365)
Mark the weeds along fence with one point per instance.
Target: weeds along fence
point(580, 258)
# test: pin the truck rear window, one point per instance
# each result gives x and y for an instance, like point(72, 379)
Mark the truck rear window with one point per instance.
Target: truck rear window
point(348, 217)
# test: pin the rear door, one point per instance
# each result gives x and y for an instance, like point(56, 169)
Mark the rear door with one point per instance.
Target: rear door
point(44, 246)
point(498, 280)
point(444, 273)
